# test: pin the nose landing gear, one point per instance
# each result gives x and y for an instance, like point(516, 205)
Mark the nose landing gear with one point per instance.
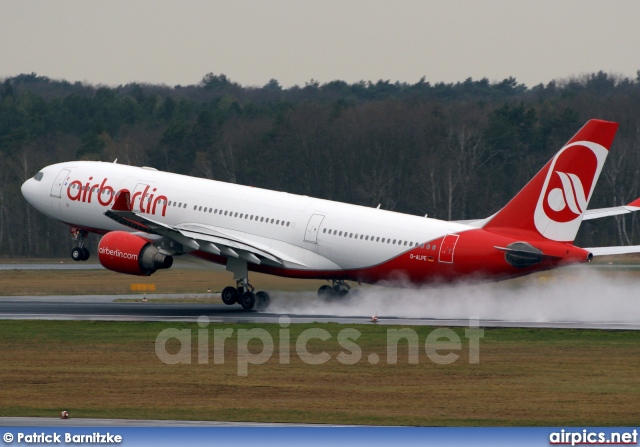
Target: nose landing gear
point(79, 253)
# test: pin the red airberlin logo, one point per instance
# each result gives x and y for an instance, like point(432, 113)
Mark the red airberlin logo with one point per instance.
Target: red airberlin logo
point(570, 183)
point(146, 201)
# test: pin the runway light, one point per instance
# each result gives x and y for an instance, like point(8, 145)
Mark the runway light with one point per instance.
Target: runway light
point(64, 415)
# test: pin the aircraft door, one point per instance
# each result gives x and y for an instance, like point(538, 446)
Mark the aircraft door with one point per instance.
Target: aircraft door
point(447, 248)
point(311, 234)
point(56, 188)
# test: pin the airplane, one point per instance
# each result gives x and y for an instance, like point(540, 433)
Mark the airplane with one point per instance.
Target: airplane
point(147, 217)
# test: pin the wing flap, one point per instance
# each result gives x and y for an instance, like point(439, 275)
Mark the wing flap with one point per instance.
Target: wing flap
point(217, 237)
point(200, 237)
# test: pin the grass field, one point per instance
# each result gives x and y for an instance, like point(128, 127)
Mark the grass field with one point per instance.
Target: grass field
point(111, 370)
point(105, 282)
point(525, 377)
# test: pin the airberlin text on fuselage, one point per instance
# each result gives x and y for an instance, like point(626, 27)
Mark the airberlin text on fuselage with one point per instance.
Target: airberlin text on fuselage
point(84, 193)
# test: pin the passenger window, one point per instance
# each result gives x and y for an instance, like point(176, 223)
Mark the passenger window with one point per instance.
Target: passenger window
point(394, 241)
point(350, 234)
point(225, 213)
point(235, 215)
point(271, 220)
point(324, 231)
point(366, 238)
point(240, 215)
point(262, 219)
point(278, 222)
point(195, 207)
point(383, 240)
point(287, 223)
point(340, 234)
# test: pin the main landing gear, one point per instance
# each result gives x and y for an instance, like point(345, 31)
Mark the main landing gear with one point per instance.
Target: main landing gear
point(245, 295)
point(79, 253)
point(338, 289)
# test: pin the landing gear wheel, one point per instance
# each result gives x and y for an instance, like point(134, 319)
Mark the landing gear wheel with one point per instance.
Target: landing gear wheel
point(326, 293)
point(77, 254)
point(339, 289)
point(85, 253)
point(248, 300)
point(262, 300)
point(229, 295)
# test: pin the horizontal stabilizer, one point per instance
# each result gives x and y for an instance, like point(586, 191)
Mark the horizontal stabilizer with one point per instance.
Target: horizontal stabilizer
point(613, 211)
point(608, 251)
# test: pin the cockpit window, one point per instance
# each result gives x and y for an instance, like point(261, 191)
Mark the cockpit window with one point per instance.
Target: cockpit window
point(38, 176)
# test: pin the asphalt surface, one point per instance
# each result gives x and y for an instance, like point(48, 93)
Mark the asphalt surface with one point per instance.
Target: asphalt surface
point(103, 308)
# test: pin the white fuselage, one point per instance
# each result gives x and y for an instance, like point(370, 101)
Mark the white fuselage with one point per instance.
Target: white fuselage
point(308, 234)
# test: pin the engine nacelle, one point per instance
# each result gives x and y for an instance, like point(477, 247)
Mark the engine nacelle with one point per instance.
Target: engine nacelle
point(128, 253)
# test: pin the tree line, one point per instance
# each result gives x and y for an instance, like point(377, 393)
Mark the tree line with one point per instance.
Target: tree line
point(450, 150)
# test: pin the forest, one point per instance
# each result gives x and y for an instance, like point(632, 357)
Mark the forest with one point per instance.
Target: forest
point(450, 150)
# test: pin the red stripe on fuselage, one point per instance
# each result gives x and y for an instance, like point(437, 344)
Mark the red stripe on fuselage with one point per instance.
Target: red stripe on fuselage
point(475, 258)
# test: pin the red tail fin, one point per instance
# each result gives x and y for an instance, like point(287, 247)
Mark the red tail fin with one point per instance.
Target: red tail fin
point(551, 205)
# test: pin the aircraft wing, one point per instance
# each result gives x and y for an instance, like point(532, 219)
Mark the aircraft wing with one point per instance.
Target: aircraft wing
point(199, 237)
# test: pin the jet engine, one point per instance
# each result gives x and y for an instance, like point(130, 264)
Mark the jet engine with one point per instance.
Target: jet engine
point(128, 253)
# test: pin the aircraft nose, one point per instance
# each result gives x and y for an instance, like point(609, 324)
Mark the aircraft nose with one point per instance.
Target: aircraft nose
point(27, 190)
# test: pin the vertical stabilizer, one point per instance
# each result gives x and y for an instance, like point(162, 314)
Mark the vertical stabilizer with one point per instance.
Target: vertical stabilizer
point(552, 204)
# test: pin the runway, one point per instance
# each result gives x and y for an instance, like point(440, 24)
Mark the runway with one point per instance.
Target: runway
point(104, 308)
